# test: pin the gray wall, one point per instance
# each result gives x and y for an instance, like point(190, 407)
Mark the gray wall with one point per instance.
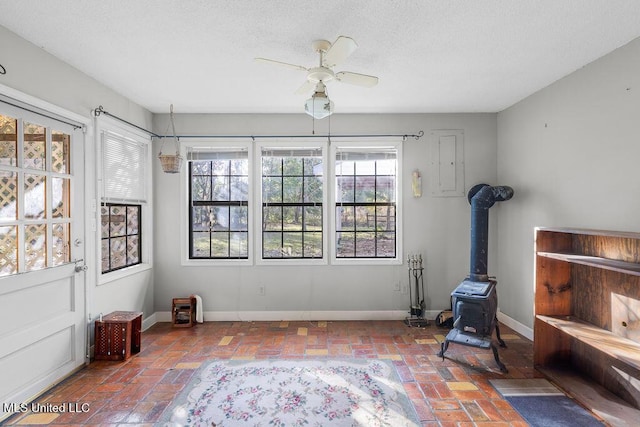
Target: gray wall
point(571, 151)
point(35, 72)
point(435, 226)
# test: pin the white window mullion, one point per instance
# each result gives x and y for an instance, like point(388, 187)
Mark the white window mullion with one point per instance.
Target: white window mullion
point(20, 231)
point(48, 214)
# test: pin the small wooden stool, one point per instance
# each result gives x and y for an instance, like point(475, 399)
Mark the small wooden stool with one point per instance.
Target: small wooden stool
point(183, 312)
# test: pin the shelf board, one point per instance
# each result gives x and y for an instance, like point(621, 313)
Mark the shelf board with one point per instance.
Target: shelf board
point(593, 261)
point(619, 348)
point(604, 404)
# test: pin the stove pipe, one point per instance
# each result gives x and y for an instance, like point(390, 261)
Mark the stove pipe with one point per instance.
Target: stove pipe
point(482, 197)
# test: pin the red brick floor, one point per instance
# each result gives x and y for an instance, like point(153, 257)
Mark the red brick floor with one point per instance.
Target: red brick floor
point(453, 392)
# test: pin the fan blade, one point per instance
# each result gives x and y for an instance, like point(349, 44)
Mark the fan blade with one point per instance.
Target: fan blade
point(356, 79)
point(284, 64)
point(305, 88)
point(339, 51)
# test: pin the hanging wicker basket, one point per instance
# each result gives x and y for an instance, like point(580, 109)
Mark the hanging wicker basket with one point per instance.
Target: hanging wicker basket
point(171, 163)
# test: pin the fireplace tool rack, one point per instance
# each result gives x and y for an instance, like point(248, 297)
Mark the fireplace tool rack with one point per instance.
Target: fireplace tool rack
point(417, 296)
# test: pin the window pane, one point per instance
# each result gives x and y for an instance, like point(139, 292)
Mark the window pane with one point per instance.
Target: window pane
point(271, 166)
point(61, 197)
point(118, 252)
point(345, 191)
point(34, 196)
point(345, 217)
point(60, 152)
point(365, 188)
point(105, 255)
point(8, 195)
point(8, 140)
point(345, 242)
point(239, 188)
point(200, 245)
point(292, 190)
point(313, 244)
point(35, 236)
point(272, 245)
point(220, 244)
point(202, 218)
point(292, 245)
point(365, 244)
point(271, 190)
point(239, 167)
point(292, 166)
point(292, 218)
point(61, 239)
point(272, 218)
point(201, 188)
point(133, 250)
point(8, 251)
point(200, 167)
point(220, 188)
point(238, 245)
point(313, 218)
point(239, 218)
point(386, 218)
point(220, 167)
point(117, 219)
point(313, 166)
point(386, 245)
point(385, 189)
point(104, 215)
point(34, 152)
point(133, 219)
point(365, 218)
point(313, 189)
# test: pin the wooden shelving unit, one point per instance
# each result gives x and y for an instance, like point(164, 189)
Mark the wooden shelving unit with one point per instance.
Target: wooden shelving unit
point(587, 317)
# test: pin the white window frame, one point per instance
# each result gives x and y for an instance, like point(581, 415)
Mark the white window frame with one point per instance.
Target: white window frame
point(291, 143)
point(360, 144)
point(214, 145)
point(106, 124)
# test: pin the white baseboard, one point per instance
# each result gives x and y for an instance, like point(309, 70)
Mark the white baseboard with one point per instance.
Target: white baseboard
point(151, 320)
point(520, 328)
point(274, 316)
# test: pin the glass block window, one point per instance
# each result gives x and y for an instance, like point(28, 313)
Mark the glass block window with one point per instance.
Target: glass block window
point(121, 236)
point(365, 203)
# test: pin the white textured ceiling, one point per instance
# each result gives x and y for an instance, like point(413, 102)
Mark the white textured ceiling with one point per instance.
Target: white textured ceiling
point(430, 56)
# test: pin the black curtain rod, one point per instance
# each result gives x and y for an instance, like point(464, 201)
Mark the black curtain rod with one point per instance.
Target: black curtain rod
point(101, 110)
point(75, 126)
point(404, 137)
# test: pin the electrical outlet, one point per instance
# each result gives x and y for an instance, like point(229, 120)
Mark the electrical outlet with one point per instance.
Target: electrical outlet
point(261, 290)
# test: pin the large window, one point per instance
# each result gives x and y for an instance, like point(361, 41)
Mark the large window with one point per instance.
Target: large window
point(124, 187)
point(35, 188)
point(365, 206)
point(219, 204)
point(292, 193)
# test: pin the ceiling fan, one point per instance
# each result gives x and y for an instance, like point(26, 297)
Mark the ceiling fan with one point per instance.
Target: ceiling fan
point(331, 55)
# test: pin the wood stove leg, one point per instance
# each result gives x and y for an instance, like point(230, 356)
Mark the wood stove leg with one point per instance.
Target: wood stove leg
point(500, 340)
point(497, 357)
point(443, 348)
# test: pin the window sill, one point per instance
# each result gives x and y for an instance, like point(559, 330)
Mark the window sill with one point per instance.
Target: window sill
point(121, 274)
point(216, 262)
point(366, 261)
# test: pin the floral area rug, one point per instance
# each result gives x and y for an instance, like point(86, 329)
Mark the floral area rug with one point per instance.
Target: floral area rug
point(354, 392)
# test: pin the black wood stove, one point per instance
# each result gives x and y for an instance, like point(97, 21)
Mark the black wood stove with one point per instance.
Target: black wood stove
point(475, 300)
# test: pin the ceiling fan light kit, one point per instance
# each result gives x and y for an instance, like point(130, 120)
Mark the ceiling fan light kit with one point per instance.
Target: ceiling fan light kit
point(319, 105)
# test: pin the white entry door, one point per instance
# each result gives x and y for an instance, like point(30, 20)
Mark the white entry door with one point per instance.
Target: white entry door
point(43, 325)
